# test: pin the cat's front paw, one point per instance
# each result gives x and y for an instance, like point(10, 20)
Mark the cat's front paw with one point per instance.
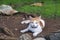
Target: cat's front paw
point(34, 34)
point(22, 22)
point(22, 31)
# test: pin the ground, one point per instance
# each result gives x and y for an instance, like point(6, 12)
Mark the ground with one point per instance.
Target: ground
point(14, 24)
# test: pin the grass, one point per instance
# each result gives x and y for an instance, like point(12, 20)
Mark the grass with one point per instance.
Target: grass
point(50, 8)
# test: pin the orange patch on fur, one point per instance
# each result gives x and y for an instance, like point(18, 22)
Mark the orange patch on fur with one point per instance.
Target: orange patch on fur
point(38, 20)
point(41, 24)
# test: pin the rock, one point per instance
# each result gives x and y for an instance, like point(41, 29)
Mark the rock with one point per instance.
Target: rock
point(5, 37)
point(53, 36)
point(37, 4)
point(8, 10)
point(39, 38)
point(25, 37)
point(6, 31)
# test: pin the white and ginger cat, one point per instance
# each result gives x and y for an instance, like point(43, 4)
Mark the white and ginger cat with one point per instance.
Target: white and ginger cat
point(35, 25)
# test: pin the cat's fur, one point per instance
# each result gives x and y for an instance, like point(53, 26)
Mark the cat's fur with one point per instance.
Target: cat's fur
point(35, 25)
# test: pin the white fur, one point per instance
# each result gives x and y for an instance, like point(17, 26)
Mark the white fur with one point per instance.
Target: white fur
point(26, 22)
point(36, 30)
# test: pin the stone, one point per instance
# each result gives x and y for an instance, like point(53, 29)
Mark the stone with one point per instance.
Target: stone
point(7, 9)
point(6, 31)
point(37, 4)
point(53, 36)
point(25, 37)
point(40, 38)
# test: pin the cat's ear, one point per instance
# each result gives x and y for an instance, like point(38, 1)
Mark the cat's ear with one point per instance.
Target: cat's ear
point(40, 17)
point(30, 17)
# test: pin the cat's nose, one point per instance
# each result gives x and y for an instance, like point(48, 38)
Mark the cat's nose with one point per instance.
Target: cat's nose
point(34, 25)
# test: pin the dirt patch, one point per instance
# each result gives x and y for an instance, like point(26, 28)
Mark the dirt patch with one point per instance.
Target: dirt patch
point(13, 23)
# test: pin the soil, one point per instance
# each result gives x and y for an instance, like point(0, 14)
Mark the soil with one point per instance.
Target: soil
point(14, 24)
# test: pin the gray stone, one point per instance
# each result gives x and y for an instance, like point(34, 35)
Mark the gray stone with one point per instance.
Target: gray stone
point(40, 38)
point(7, 9)
point(25, 37)
point(53, 36)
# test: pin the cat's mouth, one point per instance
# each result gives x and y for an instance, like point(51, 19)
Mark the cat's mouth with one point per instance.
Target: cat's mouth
point(33, 26)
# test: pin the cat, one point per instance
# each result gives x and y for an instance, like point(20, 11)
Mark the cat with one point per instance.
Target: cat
point(36, 25)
